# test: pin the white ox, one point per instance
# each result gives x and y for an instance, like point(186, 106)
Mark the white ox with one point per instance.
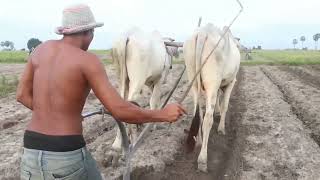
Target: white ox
point(218, 76)
point(141, 59)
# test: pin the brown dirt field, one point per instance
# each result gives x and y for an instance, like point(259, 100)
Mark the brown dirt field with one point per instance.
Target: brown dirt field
point(305, 99)
point(266, 141)
point(277, 146)
point(11, 69)
point(272, 131)
point(220, 150)
point(305, 74)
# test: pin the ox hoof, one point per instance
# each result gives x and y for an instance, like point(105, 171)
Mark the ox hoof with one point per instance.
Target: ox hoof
point(202, 167)
point(221, 131)
point(112, 159)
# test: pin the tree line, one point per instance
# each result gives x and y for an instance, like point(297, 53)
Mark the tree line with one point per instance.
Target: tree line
point(316, 37)
point(31, 44)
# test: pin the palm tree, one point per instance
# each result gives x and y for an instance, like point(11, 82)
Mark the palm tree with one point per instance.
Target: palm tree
point(316, 37)
point(302, 39)
point(294, 42)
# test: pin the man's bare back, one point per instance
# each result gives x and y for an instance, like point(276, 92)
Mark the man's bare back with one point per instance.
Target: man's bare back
point(60, 76)
point(54, 85)
point(60, 88)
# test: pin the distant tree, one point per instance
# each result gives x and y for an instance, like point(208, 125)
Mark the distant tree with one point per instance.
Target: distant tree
point(316, 37)
point(302, 39)
point(32, 44)
point(7, 45)
point(294, 42)
point(259, 47)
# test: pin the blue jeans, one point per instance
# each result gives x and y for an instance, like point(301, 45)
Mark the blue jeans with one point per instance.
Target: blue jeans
point(47, 165)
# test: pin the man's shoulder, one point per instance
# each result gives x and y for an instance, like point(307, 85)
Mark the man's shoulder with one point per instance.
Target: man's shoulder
point(88, 60)
point(90, 55)
point(87, 57)
point(41, 50)
point(46, 46)
point(47, 43)
point(42, 45)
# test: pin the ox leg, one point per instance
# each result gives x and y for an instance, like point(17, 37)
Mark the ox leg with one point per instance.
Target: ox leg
point(124, 88)
point(217, 109)
point(155, 98)
point(116, 149)
point(165, 75)
point(134, 91)
point(224, 107)
point(211, 97)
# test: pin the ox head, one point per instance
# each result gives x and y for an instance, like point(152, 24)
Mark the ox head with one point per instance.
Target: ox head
point(172, 48)
point(236, 40)
point(172, 51)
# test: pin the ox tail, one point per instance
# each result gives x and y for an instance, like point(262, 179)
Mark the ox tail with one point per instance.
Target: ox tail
point(121, 63)
point(196, 122)
point(201, 39)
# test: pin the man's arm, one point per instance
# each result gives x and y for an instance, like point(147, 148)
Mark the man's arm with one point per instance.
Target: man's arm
point(122, 110)
point(25, 87)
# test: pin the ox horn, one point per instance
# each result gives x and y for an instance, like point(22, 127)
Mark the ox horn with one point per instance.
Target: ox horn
point(175, 44)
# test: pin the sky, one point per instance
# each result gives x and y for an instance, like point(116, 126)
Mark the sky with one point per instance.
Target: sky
point(273, 24)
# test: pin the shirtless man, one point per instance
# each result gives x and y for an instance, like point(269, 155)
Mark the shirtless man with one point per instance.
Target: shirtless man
point(54, 85)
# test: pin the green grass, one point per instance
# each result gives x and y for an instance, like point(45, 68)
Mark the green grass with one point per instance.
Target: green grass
point(175, 61)
point(259, 57)
point(292, 57)
point(21, 56)
point(100, 52)
point(13, 56)
point(8, 84)
point(276, 57)
point(104, 55)
point(106, 61)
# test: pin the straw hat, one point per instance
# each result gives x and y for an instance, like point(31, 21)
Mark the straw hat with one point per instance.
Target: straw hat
point(77, 18)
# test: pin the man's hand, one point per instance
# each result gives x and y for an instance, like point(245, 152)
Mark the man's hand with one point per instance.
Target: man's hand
point(172, 112)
